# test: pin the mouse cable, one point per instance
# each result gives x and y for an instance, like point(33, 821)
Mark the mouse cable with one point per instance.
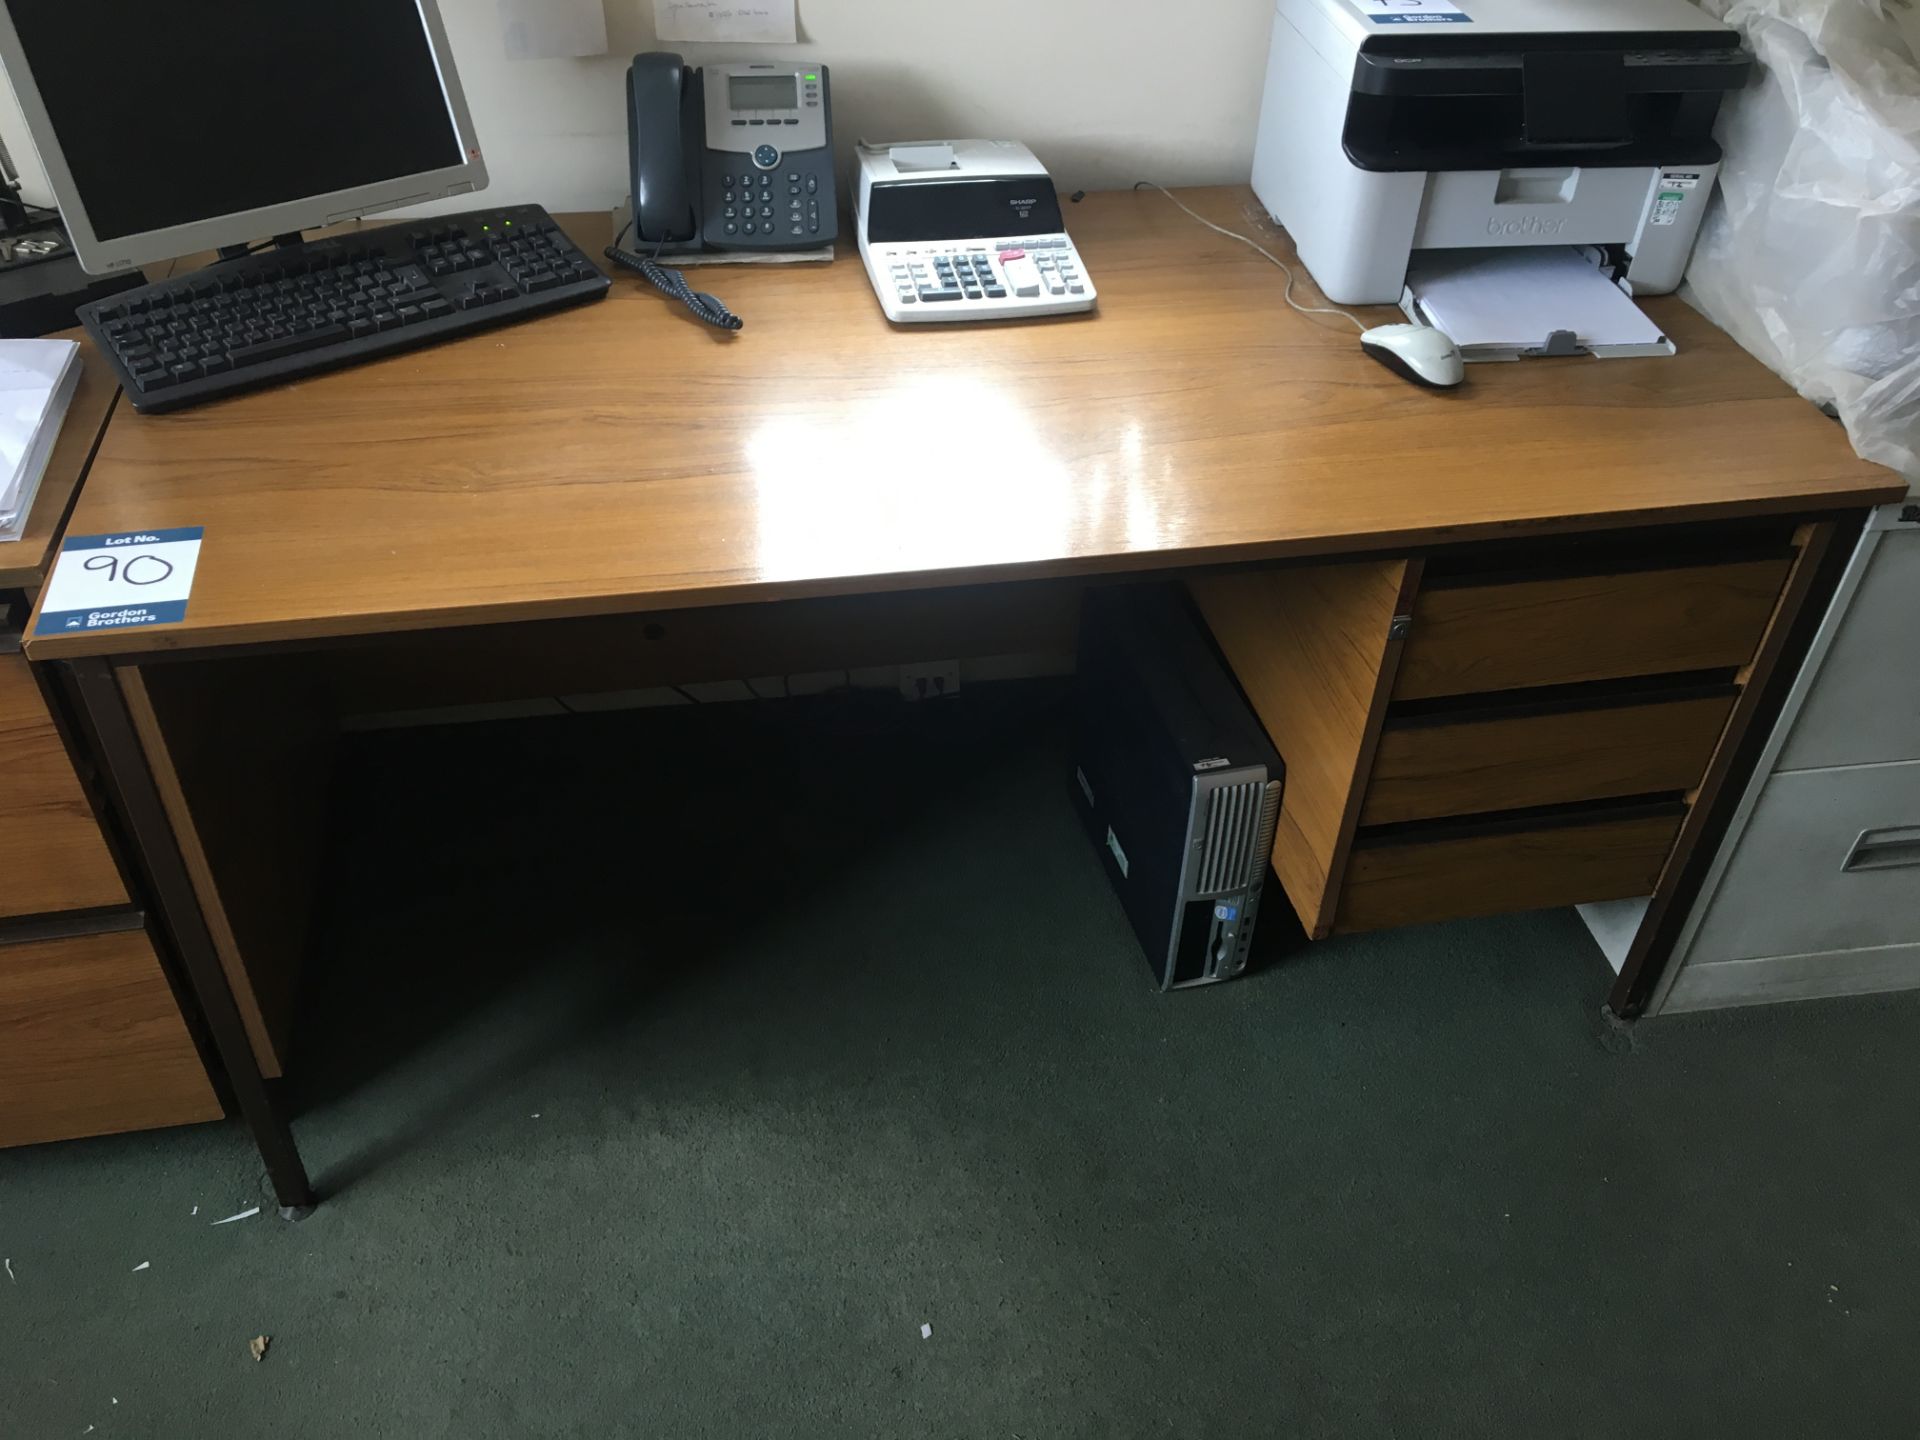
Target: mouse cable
point(1286, 269)
point(673, 283)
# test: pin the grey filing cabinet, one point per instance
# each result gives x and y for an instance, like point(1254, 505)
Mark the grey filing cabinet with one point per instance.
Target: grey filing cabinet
point(1816, 889)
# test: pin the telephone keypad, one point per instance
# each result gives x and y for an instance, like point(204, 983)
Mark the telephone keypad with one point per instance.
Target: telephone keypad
point(757, 209)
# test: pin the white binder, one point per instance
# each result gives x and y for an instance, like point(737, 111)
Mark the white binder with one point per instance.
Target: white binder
point(37, 381)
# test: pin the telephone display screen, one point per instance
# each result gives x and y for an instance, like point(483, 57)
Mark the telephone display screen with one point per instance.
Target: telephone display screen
point(763, 92)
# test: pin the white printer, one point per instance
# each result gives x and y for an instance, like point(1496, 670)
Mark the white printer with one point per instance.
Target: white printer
point(1392, 127)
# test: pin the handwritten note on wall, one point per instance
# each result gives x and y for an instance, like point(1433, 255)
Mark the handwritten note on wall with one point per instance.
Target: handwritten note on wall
point(759, 22)
point(553, 29)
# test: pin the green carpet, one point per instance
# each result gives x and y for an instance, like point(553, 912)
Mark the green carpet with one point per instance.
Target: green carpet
point(669, 1072)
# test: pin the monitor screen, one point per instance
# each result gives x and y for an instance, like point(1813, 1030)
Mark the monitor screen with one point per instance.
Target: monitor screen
point(170, 113)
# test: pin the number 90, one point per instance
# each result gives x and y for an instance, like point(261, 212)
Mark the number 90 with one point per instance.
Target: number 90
point(137, 570)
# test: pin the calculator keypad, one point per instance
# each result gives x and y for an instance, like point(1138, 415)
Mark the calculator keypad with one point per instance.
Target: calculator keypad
point(1022, 271)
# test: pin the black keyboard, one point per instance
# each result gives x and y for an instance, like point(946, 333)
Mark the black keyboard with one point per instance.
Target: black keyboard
point(293, 311)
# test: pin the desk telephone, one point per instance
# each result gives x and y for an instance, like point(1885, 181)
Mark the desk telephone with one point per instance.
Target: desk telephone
point(723, 158)
point(730, 157)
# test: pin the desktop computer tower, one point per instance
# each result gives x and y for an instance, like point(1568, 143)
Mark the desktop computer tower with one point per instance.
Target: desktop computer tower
point(1176, 779)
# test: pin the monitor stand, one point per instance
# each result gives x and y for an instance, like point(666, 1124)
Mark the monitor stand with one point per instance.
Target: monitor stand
point(279, 242)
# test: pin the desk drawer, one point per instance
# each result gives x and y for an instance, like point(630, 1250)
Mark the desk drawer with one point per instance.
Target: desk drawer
point(52, 855)
point(1433, 766)
point(1444, 872)
point(1471, 636)
point(91, 1042)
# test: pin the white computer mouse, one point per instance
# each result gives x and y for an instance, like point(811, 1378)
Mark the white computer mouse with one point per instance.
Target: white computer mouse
point(1419, 352)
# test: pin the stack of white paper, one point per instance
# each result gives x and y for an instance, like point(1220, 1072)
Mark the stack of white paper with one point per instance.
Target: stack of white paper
point(1501, 304)
point(37, 381)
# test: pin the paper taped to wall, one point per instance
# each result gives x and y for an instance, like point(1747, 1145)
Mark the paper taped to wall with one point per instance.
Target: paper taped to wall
point(553, 29)
point(758, 22)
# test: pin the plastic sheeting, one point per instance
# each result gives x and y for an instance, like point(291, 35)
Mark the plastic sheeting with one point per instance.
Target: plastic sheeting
point(1812, 258)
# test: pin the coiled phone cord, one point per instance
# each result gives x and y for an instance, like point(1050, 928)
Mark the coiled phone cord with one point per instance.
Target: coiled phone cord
point(673, 283)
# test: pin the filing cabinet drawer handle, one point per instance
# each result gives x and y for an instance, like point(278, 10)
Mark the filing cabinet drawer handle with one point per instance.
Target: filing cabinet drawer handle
point(1889, 849)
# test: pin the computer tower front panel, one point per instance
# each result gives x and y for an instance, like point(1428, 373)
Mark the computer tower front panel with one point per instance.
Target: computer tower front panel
point(1229, 843)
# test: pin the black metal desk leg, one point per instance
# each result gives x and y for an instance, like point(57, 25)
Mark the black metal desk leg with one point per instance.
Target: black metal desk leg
point(131, 790)
point(1810, 590)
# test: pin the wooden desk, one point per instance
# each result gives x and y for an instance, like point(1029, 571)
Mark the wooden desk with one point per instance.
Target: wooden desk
point(620, 462)
point(625, 457)
point(91, 1038)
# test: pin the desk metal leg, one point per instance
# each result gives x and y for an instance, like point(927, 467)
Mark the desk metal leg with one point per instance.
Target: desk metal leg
point(131, 790)
point(1809, 592)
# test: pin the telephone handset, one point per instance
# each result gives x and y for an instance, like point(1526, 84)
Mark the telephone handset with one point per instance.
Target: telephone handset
point(730, 157)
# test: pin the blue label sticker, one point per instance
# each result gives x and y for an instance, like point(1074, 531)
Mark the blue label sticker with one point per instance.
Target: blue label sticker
point(133, 537)
point(1226, 912)
point(115, 582)
point(170, 613)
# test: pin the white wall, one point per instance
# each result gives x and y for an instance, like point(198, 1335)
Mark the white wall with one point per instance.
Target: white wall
point(1105, 91)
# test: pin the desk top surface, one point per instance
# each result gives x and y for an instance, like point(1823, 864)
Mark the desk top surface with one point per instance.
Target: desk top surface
point(23, 562)
point(623, 456)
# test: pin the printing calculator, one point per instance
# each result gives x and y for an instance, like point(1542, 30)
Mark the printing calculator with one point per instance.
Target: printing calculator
point(996, 280)
point(965, 230)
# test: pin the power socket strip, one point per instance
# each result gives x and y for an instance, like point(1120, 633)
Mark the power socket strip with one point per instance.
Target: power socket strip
point(930, 680)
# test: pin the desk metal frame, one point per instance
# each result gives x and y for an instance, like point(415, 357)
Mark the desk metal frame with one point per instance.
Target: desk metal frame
point(135, 800)
point(109, 730)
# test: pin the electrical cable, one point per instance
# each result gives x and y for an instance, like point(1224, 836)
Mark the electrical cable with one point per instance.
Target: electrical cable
point(673, 284)
point(1287, 294)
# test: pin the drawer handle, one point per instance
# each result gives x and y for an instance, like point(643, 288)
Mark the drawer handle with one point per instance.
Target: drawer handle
point(1889, 849)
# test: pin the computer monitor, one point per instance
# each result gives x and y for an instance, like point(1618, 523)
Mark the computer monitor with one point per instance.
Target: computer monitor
point(171, 128)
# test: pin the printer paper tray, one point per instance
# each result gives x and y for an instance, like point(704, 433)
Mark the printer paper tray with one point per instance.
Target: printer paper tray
point(1510, 304)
